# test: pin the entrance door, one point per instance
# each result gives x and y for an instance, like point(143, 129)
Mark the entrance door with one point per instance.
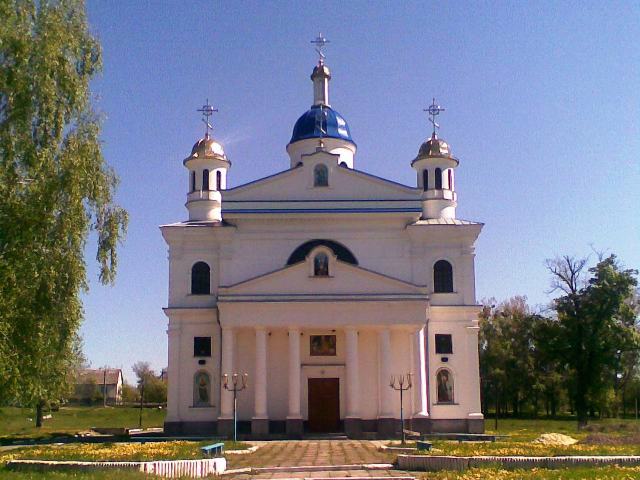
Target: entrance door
point(324, 404)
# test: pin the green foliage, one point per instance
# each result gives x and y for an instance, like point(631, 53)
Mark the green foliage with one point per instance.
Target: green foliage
point(155, 389)
point(54, 188)
point(596, 323)
point(585, 359)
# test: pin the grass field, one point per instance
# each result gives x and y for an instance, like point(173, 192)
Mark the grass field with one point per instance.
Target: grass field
point(608, 437)
point(18, 423)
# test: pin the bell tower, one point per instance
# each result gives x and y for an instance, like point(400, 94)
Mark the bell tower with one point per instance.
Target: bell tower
point(435, 168)
point(207, 167)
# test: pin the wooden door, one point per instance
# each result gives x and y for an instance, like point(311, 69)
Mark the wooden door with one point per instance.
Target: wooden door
point(324, 404)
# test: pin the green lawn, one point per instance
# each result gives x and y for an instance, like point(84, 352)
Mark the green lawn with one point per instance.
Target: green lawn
point(18, 423)
point(95, 475)
point(609, 437)
point(600, 473)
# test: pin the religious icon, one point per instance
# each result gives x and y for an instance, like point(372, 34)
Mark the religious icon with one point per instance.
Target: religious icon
point(202, 386)
point(323, 345)
point(445, 387)
point(321, 265)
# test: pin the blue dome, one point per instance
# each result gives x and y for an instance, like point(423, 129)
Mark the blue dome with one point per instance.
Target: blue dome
point(333, 124)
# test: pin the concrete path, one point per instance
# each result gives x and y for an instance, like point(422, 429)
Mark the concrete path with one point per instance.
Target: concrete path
point(296, 453)
point(312, 452)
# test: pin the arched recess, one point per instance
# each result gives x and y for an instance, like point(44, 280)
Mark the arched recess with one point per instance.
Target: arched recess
point(320, 176)
point(205, 179)
point(444, 386)
point(442, 277)
point(201, 389)
point(339, 250)
point(425, 179)
point(200, 279)
point(438, 179)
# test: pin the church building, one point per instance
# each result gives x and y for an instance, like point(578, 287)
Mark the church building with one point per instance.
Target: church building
point(319, 289)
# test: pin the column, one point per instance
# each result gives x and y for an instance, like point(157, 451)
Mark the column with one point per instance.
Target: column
point(226, 397)
point(385, 372)
point(294, 419)
point(352, 421)
point(475, 417)
point(386, 422)
point(260, 420)
point(173, 393)
point(419, 374)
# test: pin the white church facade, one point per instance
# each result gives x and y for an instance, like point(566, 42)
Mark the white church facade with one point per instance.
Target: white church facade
point(321, 283)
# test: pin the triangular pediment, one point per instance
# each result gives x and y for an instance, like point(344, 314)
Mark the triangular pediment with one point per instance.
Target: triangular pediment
point(344, 279)
point(297, 184)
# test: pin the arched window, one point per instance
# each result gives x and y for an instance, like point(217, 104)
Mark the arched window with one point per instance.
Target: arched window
point(193, 181)
point(218, 180)
point(320, 176)
point(200, 279)
point(442, 277)
point(445, 386)
point(425, 180)
point(438, 179)
point(450, 172)
point(343, 164)
point(321, 265)
point(205, 179)
point(201, 389)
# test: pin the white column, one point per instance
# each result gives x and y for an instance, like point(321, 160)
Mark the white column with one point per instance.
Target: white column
point(294, 373)
point(173, 371)
point(385, 372)
point(419, 374)
point(226, 397)
point(353, 375)
point(473, 369)
point(260, 381)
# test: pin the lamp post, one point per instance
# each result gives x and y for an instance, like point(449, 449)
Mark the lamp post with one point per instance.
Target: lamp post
point(237, 384)
point(401, 383)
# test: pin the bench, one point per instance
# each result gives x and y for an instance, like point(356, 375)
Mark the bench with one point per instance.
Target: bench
point(213, 450)
point(421, 445)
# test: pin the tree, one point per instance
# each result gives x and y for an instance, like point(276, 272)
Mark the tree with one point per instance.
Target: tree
point(155, 389)
point(55, 187)
point(596, 322)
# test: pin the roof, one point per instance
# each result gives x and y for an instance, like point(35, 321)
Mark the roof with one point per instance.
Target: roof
point(445, 221)
point(97, 376)
point(321, 121)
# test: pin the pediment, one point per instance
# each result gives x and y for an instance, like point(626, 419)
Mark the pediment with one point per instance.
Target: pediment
point(297, 184)
point(344, 279)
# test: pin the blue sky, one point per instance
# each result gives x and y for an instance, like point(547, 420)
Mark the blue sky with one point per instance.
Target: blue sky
point(542, 108)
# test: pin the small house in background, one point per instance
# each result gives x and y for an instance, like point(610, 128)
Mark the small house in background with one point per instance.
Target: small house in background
point(95, 384)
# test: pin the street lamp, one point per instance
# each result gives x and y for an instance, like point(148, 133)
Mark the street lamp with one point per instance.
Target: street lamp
point(401, 383)
point(237, 384)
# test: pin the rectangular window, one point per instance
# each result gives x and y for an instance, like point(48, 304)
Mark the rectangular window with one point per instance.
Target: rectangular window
point(201, 346)
point(322, 345)
point(444, 343)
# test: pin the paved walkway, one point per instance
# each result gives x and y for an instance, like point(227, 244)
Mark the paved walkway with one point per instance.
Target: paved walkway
point(314, 452)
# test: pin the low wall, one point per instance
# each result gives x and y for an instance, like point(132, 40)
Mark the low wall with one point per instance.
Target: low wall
point(432, 463)
point(163, 468)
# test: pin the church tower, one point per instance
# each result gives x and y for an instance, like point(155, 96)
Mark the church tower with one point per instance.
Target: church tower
point(207, 167)
point(321, 126)
point(435, 168)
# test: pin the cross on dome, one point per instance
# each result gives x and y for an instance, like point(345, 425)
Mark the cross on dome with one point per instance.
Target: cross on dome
point(434, 110)
point(320, 43)
point(207, 110)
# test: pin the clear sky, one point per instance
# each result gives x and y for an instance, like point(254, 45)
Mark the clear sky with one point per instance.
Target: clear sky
point(542, 108)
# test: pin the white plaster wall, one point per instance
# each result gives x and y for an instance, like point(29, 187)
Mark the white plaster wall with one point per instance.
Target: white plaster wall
point(462, 363)
point(184, 327)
